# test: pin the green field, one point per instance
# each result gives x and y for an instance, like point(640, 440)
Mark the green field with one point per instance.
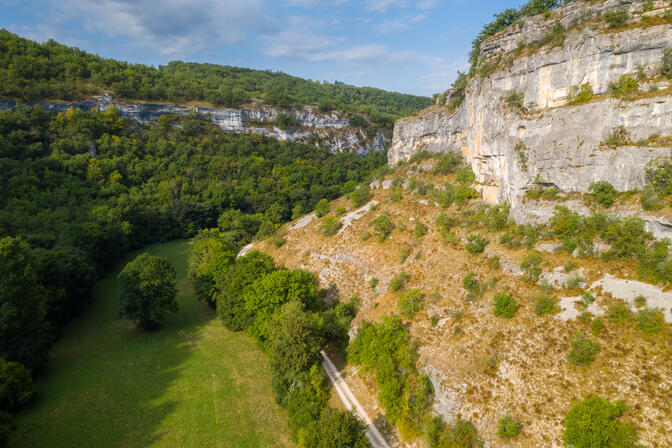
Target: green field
point(191, 384)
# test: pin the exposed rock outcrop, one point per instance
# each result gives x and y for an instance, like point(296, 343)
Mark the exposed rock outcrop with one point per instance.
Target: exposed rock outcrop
point(332, 130)
point(551, 141)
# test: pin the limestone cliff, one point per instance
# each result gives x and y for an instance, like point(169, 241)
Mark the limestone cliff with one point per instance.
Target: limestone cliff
point(540, 135)
point(331, 130)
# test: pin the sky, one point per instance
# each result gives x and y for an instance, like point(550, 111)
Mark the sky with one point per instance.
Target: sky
point(409, 46)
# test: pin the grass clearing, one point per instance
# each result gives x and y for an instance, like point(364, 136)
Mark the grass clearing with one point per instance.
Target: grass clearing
point(192, 383)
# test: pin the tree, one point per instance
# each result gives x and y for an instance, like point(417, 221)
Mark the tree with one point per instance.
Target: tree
point(593, 423)
point(322, 208)
point(336, 429)
point(16, 386)
point(147, 291)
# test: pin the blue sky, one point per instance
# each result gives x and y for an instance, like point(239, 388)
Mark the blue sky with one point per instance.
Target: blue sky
point(410, 46)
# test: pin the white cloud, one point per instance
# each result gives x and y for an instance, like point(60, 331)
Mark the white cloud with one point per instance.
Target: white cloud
point(383, 5)
point(426, 4)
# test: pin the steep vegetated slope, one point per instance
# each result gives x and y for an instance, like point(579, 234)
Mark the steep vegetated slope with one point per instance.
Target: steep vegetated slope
point(335, 115)
point(510, 325)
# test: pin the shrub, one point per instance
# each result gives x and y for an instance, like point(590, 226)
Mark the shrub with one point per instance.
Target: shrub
point(505, 305)
point(574, 282)
point(405, 252)
point(494, 262)
point(515, 100)
point(508, 428)
point(555, 37)
point(667, 62)
point(594, 422)
point(459, 434)
point(583, 350)
point(586, 298)
point(338, 211)
point(399, 281)
point(420, 229)
point(410, 303)
point(619, 136)
point(465, 175)
point(596, 326)
point(322, 208)
point(476, 244)
point(383, 227)
point(544, 305)
point(373, 282)
point(617, 18)
point(473, 286)
point(331, 226)
point(626, 85)
point(580, 95)
point(650, 320)
point(448, 163)
point(604, 193)
point(16, 386)
point(360, 195)
point(395, 194)
point(530, 266)
point(651, 200)
point(619, 313)
point(446, 222)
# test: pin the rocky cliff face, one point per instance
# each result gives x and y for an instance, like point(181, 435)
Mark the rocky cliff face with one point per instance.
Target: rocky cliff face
point(332, 130)
point(547, 139)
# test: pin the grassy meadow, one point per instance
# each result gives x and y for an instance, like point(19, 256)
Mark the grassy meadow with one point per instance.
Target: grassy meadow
point(191, 384)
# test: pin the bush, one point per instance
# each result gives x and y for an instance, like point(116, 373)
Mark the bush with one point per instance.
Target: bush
point(530, 266)
point(410, 303)
point(399, 281)
point(583, 350)
point(650, 320)
point(597, 326)
point(420, 229)
point(617, 18)
point(465, 176)
point(619, 313)
point(336, 429)
point(586, 298)
point(473, 286)
point(508, 428)
point(360, 195)
point(338, 211)
point(580, 95)
point(516, 100)
point(331, 226)
point(594, 423)
point(373, 283)
point(147, 291)
point(16, 386)
point(322, 208)
point(651, 200)
point(626, 85)
point(395, 194)
point(459, 434)
point(383, 227)
point(667, 62)
point(476, 244)
point(448, 163)
point(446, 222)
point(544, 305)
point(604, 193)
point(505, 305)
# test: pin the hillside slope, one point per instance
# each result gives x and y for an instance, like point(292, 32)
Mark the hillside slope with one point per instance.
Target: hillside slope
point(484, 366)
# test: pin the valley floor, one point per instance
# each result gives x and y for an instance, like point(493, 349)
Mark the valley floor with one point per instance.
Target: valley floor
point(191, 384)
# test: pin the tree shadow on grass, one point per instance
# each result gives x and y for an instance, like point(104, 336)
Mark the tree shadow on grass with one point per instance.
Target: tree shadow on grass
point(108, 384)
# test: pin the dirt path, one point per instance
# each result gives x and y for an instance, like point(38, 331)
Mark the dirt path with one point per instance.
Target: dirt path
point(350, 401)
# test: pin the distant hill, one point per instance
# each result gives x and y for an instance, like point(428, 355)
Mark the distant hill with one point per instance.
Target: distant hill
point(32, 71)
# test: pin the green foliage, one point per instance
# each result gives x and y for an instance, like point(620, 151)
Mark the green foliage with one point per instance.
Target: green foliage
point(147, 291)
point(650, 320)
point(530, 266)
point(580, 95)
point(655, 263)
point(545, 304)
point(616, 18)
point(651, 200)
point(395, 195)
point(659, 175)
point(619, 313)
point(619, 136)
point(505, 305)
point(420, 229)
point(594, 423)
point(459, 434)
point(373, 283)
point(625, 86)
point(507, 428)
point(604, 193)
point(410, 303)
point(583, 350)
point(555, 37)
point(336, 429)
point(586, 298)
point(448, 163)
point(516, 101)
point(476, 244)
point(386, 349)
point(16, 386)
point(266, 295)
point(666, 68)
point(322, 208)
point(54, 71)
point(331, 226)
point(360, 195)
point(399, 281)
point(474, 286)
point(597, 326)
point(383, 227)
point(465, 176)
